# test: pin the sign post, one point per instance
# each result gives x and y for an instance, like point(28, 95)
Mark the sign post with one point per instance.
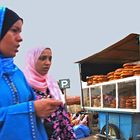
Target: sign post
point(64, 83)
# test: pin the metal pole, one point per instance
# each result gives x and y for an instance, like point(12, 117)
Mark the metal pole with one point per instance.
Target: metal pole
point(82, 100)
point(107, 124)
point(139, 45)
point(65, 96)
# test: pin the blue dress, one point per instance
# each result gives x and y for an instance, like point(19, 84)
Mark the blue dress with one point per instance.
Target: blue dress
point(17, 116)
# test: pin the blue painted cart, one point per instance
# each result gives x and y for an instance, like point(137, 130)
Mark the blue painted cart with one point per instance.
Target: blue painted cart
point(126, 124)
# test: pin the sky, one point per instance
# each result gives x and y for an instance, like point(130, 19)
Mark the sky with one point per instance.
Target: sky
point(74, 30)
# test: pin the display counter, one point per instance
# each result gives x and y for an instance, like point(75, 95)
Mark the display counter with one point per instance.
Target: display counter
point(120, 95)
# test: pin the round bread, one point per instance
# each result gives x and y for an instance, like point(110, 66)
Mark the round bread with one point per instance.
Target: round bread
point(136, 66)
point(128, 65)
point(119, 70)
point(127, 74)
point(136, 69)
point(110, 73)
point(117, 77)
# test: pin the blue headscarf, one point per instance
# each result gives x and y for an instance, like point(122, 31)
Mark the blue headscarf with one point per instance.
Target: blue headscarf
point(6, 64)
point(2, 11)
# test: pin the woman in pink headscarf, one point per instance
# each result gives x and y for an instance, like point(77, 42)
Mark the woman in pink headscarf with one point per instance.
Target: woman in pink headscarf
point(38, 63)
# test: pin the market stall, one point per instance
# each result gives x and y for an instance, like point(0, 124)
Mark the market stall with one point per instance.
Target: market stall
point(113, 88)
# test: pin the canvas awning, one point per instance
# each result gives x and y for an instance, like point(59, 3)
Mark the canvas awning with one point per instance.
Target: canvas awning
point(111, 58)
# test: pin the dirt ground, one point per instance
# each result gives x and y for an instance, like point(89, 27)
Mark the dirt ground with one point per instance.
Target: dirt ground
point(93, 137)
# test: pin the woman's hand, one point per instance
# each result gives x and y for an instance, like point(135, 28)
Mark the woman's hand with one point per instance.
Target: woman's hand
point(45, 107)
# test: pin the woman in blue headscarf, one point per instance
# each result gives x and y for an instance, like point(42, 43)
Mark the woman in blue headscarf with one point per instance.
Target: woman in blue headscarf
point(19, 113)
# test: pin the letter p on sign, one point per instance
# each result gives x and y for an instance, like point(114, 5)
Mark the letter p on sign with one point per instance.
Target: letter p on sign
point(64, 83)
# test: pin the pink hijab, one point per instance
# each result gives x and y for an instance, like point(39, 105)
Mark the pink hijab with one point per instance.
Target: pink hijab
point(36, 80)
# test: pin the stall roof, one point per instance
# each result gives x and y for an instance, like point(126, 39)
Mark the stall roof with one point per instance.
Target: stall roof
point(111, 58)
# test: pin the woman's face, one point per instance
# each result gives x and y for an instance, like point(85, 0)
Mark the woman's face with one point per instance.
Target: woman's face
point(43, 63)
point(11, 41)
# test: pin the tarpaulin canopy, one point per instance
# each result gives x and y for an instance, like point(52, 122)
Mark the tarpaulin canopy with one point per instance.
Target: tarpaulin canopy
point(111, 58)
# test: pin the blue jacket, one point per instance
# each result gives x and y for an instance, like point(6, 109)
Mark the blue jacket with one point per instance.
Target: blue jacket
point(18, 121)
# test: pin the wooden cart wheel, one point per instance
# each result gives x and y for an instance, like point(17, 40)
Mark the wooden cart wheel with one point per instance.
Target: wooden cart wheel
point(113, 131)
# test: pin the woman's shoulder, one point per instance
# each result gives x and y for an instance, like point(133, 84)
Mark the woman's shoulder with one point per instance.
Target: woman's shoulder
point(19, 73)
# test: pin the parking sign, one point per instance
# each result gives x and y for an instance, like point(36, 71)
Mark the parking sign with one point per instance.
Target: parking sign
point(64, 83)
